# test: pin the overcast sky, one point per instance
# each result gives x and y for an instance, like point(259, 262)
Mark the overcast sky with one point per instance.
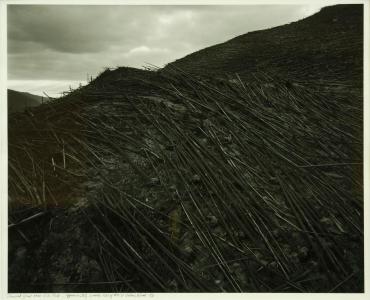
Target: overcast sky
point(53, 46)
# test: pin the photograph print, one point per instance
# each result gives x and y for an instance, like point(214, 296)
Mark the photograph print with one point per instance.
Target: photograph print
point(185, 148)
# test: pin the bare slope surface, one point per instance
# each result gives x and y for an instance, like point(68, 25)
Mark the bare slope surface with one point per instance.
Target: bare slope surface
point(324, 47)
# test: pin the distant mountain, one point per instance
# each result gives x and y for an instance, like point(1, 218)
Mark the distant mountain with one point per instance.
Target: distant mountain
point(325, 46)
point(18, 101)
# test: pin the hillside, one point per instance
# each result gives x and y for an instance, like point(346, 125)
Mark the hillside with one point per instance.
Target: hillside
point(18, 101)
point(188, 179)
point(325, 47)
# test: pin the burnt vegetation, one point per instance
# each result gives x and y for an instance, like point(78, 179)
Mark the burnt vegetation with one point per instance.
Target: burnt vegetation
point(235, 169)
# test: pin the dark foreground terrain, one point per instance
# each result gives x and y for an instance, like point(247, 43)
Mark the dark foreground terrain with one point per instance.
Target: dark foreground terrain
point(187, 179)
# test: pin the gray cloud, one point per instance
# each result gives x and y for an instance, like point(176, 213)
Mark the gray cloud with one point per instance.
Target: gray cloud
point(54, 42)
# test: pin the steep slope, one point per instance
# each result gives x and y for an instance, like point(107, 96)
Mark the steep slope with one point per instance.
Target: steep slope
point(324, 47)
point(18, 101)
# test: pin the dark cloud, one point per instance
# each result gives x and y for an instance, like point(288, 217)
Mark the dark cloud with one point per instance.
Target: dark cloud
point(57, 42)
point(71, 29)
